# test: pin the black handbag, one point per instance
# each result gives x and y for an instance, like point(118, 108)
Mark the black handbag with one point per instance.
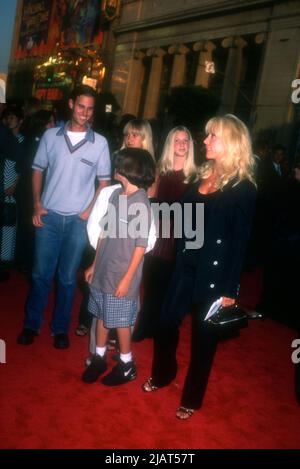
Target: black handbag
point(228, 320)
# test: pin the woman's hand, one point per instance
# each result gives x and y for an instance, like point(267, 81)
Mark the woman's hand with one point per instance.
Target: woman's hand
point(228, 301)
point(123, 287)
point(89, 273)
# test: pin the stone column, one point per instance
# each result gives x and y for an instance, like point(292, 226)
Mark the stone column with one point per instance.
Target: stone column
point(280, 66)
point(259, 38)
point(133, 95)
point(232, 72)
point(179, 64)
point(153, 89)
point(205, 55)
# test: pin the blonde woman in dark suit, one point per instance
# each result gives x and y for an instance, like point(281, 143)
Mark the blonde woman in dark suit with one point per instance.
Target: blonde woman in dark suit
point(226, 188)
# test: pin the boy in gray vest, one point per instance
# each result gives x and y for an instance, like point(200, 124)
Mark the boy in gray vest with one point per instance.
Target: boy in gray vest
point(116, 272)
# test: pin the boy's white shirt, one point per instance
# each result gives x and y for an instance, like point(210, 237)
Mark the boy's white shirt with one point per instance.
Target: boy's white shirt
point(99, 210)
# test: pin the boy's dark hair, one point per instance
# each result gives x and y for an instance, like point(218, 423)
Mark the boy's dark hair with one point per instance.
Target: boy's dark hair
point(137, 165)
point(84, 90)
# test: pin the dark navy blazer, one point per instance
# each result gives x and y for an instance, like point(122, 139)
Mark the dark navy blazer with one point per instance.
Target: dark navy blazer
point(218, 263)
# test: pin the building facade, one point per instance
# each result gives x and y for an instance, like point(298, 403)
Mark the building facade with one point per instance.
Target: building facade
point(253, 48)
point(246, 53)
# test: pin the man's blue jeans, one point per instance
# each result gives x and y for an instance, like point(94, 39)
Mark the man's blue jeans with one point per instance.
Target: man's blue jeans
point(59, 245)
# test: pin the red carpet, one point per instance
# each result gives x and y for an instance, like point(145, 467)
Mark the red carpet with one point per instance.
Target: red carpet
point(250, 400)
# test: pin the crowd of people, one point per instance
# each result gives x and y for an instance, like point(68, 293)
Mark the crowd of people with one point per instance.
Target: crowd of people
point(61, 188)
point(21, 128)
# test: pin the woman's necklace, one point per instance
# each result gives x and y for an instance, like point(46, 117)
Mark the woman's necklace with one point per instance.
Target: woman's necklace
point(208, 185)
point(211, 182)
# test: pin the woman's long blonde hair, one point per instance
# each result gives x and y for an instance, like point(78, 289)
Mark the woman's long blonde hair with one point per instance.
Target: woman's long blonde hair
point(143, 128)
point(166, 162)
point(238, 161)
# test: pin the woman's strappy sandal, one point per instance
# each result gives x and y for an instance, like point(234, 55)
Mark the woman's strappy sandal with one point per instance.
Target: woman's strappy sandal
point(81, 330)
point(183, 413)
point(148, 386)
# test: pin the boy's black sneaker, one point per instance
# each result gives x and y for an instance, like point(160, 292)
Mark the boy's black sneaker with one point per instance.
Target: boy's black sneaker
point(120, 374)
point(95, 369)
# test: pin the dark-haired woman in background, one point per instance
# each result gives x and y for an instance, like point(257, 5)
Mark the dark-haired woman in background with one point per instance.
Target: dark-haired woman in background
point(13, 118)
point(39, 122)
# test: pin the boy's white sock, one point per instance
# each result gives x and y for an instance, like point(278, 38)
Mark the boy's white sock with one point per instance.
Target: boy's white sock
point(126, 357)
point(100, 351)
